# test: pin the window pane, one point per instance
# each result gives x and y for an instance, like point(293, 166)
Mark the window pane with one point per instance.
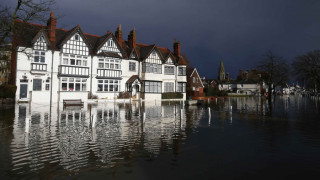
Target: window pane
point(106, 87)
point(72, 61)
point(77, 86)
point(84, 86)
point(99, 87)
point(71, 86)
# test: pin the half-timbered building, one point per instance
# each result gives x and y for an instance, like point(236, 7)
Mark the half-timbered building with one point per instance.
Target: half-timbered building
point(52, 64)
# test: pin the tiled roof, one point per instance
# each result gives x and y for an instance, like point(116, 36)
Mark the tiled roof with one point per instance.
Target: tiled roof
point(132, 79)
point(30, 30)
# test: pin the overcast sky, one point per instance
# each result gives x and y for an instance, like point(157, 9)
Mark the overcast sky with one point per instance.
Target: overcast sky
point(238, 31)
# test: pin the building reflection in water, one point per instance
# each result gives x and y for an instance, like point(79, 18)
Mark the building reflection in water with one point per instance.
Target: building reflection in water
point(66, 138)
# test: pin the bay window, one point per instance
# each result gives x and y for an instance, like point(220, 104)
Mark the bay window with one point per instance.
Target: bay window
point(181, 87)
point(152, 87)
point(168, 69)
point(168, 87)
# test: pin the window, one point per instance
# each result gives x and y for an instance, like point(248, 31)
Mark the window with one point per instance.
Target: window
point(182, 71)
point(181, 87)
point(168, 69)
point(109, 64)
point(37, 84)
point(47, 85)
point(132, 66)
point(194, 79)
point(152, 87)
point(168, 87)
point(154, 53)
point(74, 60)
point(108, 85)
point(110, 43)
point(39, 56)
point(193, 88)
point(151, 68)
point(76, 37)
point(73, 84)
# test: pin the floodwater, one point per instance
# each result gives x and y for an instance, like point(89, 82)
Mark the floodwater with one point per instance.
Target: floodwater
point(115, 141)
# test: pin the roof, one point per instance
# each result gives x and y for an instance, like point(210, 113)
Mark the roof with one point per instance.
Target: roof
point(132, 79)
point(26, 32)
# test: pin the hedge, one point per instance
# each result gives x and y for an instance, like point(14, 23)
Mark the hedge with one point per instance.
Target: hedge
point(8, 91)
point(172, 95)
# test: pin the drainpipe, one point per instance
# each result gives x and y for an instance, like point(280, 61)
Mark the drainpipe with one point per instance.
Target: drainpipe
point(91, 75)
point(52, 51)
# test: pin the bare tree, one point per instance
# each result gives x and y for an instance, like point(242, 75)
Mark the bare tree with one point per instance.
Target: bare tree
point(26, 11)
point(307, 68)
point(276, 69)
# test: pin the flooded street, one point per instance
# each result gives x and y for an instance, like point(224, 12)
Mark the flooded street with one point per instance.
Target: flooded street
point(234, 138)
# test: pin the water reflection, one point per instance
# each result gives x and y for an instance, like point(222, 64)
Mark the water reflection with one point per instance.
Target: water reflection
point(108, 135)
point(67, 137)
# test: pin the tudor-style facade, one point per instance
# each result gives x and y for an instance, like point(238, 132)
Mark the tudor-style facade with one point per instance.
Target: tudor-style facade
point(55, 64)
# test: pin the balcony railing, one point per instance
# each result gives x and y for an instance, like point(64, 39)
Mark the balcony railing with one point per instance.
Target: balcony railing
point(73, 71)
point(108, 73)
point(38, 67)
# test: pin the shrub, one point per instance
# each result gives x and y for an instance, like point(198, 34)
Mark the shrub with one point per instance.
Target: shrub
point(124, 95)
point(222, 93)
point(172, 95)
point(8, 91)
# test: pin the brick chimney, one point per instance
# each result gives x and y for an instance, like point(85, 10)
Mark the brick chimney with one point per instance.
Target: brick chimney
point(51, 25)
point(177, 48)
point(118, 34)
point(240, 76)
point(132, 39)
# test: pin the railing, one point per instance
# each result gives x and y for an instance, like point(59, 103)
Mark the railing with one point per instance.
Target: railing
point(73, 71)
point(108, 73)
point(38, 67)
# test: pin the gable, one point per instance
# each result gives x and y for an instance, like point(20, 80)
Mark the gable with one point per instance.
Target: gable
point(133, 55)
point(195, 74)
point(110, 45)
point(154, 57)
point(40, 41)
point(169, 61)
point(76, 45)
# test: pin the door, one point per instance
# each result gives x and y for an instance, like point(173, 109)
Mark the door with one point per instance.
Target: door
point(23, 91)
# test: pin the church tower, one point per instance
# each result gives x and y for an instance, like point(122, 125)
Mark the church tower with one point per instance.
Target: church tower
point(221, 75)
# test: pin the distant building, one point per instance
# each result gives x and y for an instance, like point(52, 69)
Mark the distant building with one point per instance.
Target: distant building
point(194, 83)
point(71, 64)
point(221, 74)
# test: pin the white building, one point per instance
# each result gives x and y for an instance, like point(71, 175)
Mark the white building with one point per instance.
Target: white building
point(51, 63)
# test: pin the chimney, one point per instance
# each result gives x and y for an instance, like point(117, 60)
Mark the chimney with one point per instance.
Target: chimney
point(51, 25)
point(177, 48)
point(132, 39)
point(118, 34)
point(240, 76)
point(246, 74)
point(227, 76)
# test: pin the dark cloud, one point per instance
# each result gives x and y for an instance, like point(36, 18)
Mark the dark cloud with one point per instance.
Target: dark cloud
point(238, 31)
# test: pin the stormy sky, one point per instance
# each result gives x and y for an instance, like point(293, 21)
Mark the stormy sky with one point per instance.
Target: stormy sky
point(239, 32)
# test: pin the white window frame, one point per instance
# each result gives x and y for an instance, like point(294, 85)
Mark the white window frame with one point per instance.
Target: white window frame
point(152, 87)
point(169, 70)
point(68, 58)
point(132, 66)
point(181, 87)
point(181, 71)
point(108, 85)
point(68, 82)
point(41, 55)
point(107, 63)
point(168, 87)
